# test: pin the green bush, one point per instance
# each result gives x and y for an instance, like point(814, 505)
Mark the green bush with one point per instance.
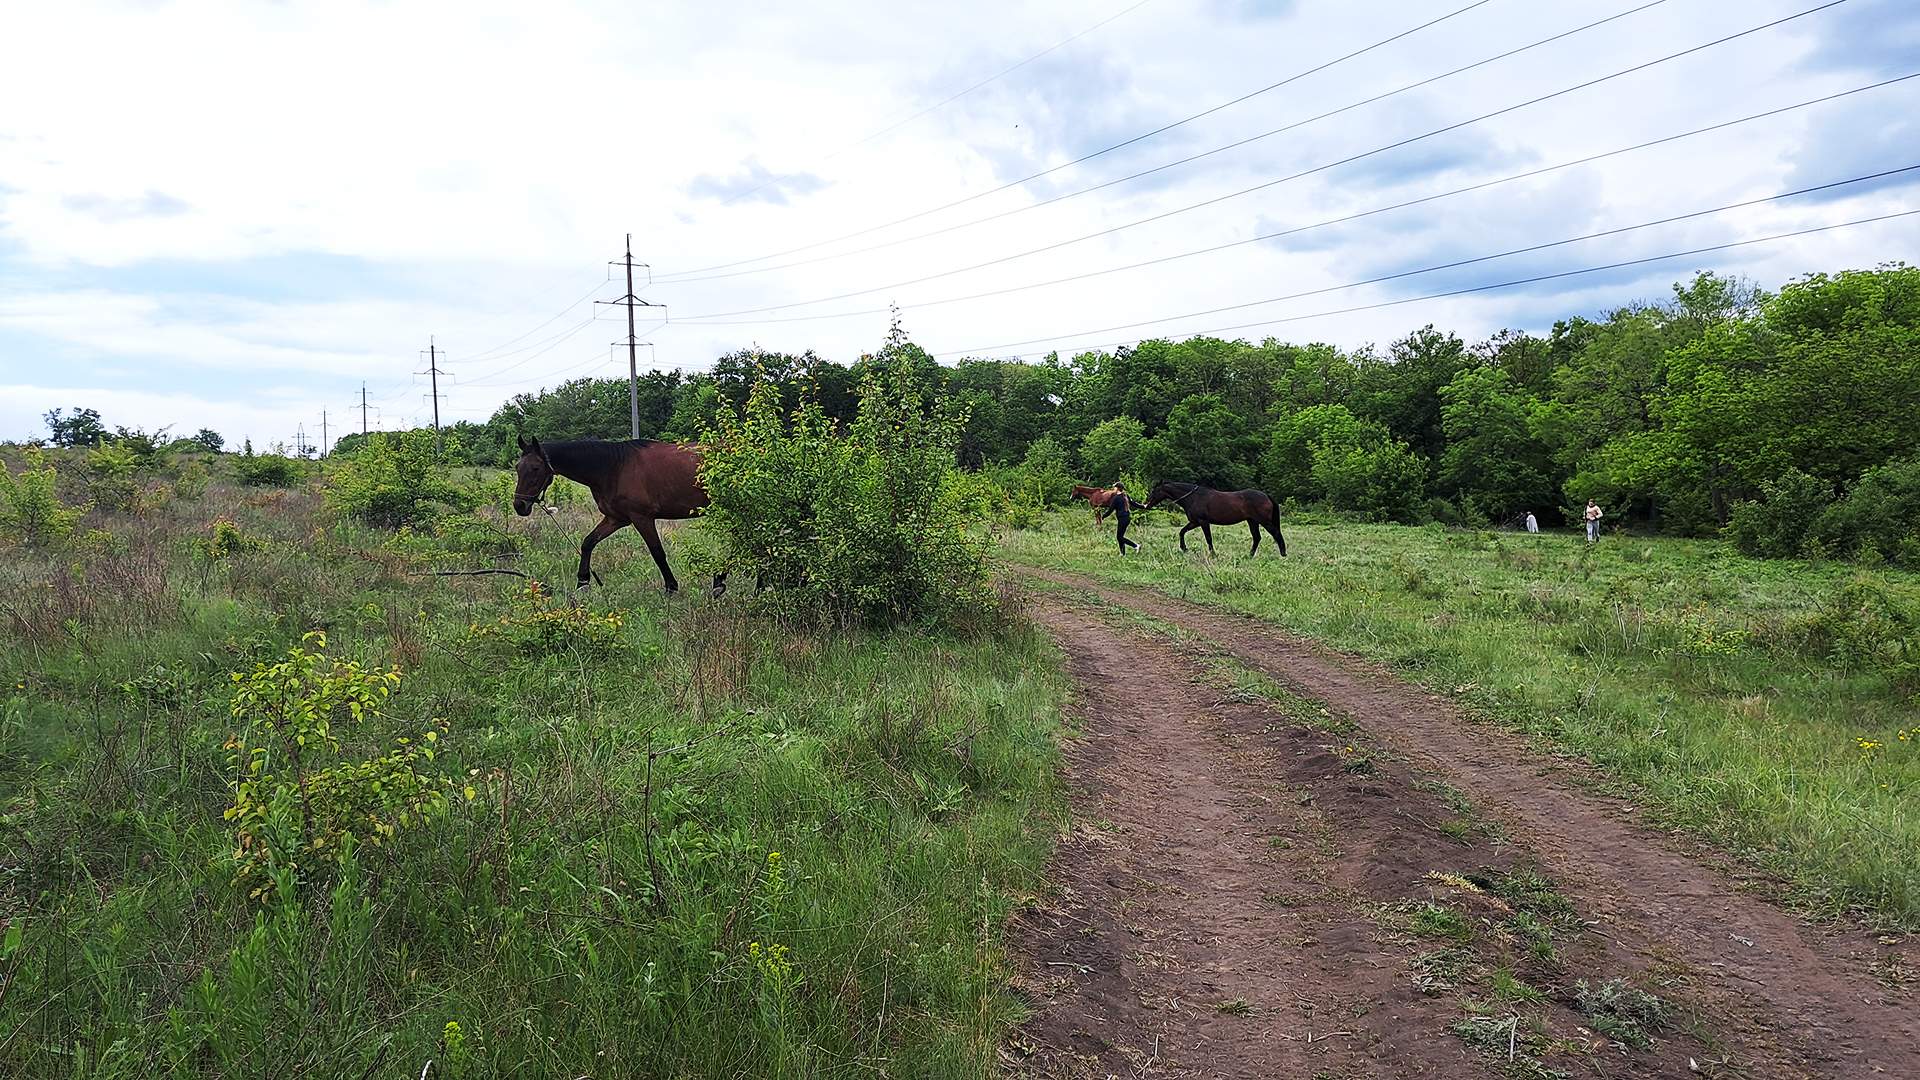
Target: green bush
point(296, 800)
point(1781, 522)
point(1879, 518)
point(1047, 471)
point(267, 470)
point(111, 468)
point(864, 527)
point(1385, 481)
point(394, 479)
point(1112, 449)
point(30, 508)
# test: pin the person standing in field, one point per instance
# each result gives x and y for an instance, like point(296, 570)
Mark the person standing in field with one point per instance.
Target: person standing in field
point(1533, 524)
point(1593, 521)
point(1120, 506)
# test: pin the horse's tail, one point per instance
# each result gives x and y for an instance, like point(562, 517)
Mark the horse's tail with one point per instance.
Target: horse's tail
point(1274, 504)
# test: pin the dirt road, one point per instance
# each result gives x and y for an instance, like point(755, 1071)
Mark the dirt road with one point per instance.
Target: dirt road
point(1261, 888)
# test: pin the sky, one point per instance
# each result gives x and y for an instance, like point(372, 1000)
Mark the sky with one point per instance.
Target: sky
point(233, 215)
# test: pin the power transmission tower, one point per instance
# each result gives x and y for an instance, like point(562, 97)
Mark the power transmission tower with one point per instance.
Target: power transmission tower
point(633, 343)
point(300, 440)
point(323, 433)
point(433, 369)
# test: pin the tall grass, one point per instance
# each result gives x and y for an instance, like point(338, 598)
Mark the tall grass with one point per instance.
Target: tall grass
point(1760, 704)
point(726, 848)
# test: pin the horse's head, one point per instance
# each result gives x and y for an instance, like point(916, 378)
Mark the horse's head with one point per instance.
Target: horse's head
point(533, 473)
point(1162, 492)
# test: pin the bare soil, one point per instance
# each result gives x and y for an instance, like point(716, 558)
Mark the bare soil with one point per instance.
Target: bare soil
point(1237, 897)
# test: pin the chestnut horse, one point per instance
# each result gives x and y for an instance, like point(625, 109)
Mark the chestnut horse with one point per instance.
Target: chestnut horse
point(1206, 507)
point(1099, 498)
point(635, 483)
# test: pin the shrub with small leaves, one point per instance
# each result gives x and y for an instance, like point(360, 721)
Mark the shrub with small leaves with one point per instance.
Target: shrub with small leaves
point(224, 538)
point(111, 476)
point(548, 630)
point(295, 798)
point(30, 508)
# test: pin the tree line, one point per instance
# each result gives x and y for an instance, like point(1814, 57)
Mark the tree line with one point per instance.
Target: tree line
point(1721, 408)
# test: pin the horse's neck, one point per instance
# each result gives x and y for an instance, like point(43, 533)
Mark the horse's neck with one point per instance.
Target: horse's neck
point(592, 470)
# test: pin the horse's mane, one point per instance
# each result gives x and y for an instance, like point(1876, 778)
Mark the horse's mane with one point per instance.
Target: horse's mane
point(588, 459)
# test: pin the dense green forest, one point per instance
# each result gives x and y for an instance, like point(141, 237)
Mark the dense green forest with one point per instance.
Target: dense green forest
point(1787, 420)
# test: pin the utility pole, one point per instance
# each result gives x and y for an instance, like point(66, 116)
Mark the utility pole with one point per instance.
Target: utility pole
point(363, 408)
point(630, 301)
point(323, 433)
point(433, 369)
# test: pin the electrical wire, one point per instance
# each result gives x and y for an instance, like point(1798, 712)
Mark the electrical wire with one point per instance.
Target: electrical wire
point(948, 100)
point(1086, 157)
point(1103, 185)
point(1278, 180)
point(1452, 292)
point(1299, 229)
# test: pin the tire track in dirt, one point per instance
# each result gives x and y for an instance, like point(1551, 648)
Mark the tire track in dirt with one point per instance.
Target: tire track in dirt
point(1791, 999)
point(1227, 903)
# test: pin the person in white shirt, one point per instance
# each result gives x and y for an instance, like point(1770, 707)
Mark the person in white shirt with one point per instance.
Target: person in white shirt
point(1533, 525)
point(1593, 521)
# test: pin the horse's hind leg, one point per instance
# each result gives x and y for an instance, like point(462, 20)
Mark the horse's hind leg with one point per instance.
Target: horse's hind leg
point(651, 532)
point(1254, 527)
point(606, 528)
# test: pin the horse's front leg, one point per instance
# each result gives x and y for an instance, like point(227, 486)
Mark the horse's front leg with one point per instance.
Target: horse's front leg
point(1184, 530)
point(651, 532)
point(1207, 531)
point(606, 528)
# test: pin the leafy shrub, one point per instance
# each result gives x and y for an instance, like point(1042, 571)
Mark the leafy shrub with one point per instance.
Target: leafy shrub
point(394, 479)
point(1780, 523)
point(267, 470)
point(111, 468)
point(224, 538)
point(864, 526)
point(1048, 473)
point(1112, 448)
point(1385, 481)
point(1861, 627)
point(294, 797)
point(1880, 517)
point(193, 481)
point(30, 507)
point(560, 629)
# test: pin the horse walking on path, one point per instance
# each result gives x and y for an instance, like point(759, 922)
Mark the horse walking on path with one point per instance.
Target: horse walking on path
point(634, 482)
point(1206, 507)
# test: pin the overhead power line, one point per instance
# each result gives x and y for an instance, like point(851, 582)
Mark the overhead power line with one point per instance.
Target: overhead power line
point(542, 347)
point(1349, 159)
point(1161, 130)
point(1438, 295)
point(949, 99)
point(1299, 229)
point(1189, 159)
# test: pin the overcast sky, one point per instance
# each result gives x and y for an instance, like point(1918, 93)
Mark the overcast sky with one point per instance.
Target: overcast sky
point(231, 214)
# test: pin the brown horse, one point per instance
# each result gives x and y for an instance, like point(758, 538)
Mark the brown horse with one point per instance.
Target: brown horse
point(1099, 498)
point(634, 483)
point(1206, 507)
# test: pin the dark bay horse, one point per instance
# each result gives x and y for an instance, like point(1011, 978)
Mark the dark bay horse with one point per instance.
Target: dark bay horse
point(1206, 507)
point(635, 483)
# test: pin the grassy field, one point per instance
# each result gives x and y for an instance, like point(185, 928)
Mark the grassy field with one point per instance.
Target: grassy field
point(1768, 707)
point(675, 841)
